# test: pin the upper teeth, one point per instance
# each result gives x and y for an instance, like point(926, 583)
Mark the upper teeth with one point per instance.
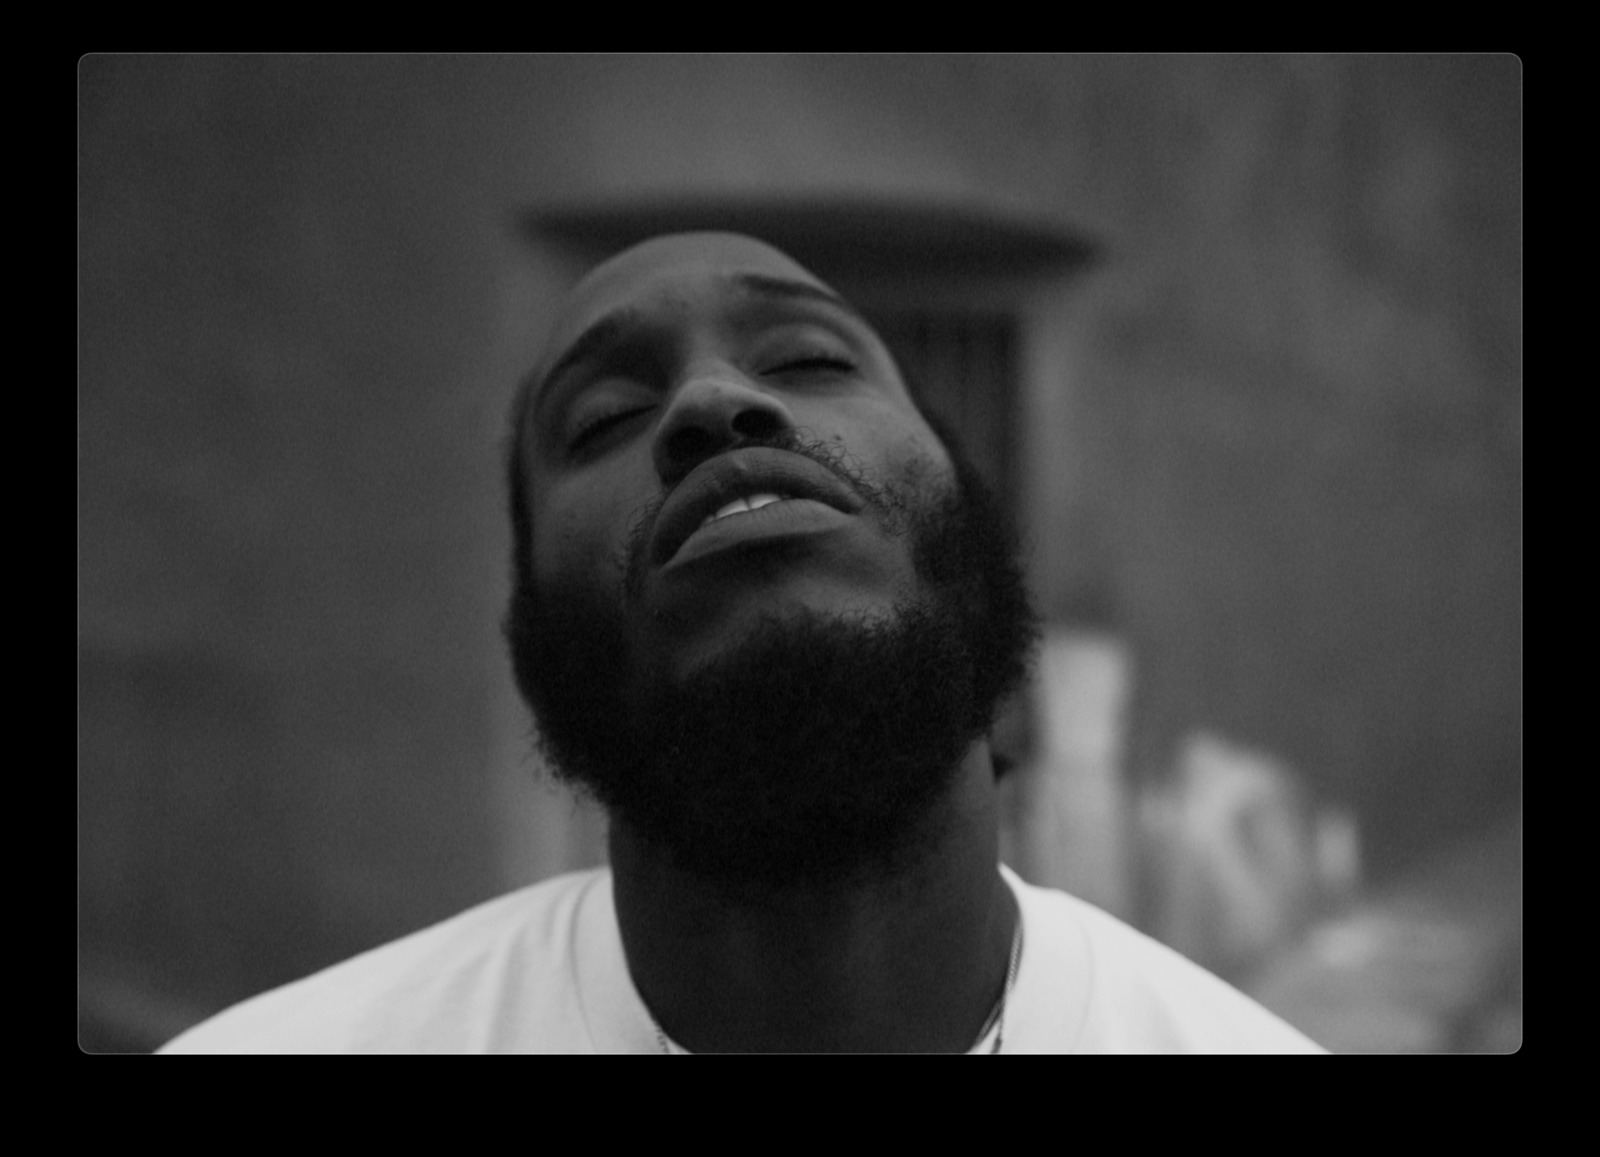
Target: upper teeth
point(740, 505)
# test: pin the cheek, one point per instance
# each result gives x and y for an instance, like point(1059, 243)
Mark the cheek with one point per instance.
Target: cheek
point(903, 449)
point(922, 460)
point(581, 536)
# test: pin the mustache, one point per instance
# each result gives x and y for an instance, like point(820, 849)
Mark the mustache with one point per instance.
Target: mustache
point(894, 509)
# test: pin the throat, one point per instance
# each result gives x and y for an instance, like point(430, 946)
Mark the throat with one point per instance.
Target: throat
point(913, 963)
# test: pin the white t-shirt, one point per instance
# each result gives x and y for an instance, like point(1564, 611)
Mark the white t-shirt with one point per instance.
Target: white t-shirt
point(542, 971)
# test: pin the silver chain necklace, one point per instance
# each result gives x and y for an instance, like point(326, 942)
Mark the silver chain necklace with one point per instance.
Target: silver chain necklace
point(995, 1020)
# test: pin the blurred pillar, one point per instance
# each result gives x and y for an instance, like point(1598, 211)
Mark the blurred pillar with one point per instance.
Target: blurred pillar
point(1071, 803)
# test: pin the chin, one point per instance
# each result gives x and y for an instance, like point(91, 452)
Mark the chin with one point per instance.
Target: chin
point(803, 749)
point(714, 605)
point(679, 648)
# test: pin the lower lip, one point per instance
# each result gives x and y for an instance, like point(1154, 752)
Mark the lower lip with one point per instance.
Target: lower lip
point(787, 518)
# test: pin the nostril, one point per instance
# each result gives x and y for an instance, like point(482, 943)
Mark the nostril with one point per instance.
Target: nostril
point(690, 442)
point(759, 425)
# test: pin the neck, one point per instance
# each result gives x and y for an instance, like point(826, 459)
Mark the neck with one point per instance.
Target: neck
point(911, 961)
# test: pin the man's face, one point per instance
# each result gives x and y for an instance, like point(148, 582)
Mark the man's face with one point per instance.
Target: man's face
point(762, 611)
point(675, 375)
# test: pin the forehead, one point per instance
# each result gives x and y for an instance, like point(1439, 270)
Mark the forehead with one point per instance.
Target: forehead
point(672, 269)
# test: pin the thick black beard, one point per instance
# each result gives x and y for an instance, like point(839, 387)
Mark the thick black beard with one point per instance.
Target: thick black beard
point(815, 755)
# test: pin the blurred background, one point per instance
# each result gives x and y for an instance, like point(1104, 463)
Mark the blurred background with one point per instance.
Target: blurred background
point(1238, 338)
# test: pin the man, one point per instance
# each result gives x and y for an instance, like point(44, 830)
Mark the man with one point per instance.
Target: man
point(764, 614)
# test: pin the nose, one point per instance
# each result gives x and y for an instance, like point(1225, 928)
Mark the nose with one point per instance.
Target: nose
point(715, 409)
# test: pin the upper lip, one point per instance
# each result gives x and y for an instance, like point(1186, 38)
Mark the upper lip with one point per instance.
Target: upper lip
point(740, 474)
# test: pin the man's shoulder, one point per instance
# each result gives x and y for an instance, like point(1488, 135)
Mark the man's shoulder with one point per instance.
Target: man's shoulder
point(439, 989)
point(1104, 986)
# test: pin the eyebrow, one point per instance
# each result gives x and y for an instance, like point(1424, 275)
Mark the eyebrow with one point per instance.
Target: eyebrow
point(787, 289)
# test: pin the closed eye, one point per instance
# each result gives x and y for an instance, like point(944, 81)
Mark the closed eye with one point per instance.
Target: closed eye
point(592, 431)
point(816, 364)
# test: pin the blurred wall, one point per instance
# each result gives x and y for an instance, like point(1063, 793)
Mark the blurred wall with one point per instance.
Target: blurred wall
point(1282, 458)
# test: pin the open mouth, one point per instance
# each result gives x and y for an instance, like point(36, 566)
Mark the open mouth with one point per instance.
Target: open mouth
point(741, 506)
point(745, 482)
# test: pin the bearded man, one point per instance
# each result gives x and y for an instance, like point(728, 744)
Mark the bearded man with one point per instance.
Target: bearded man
point(764, 612)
